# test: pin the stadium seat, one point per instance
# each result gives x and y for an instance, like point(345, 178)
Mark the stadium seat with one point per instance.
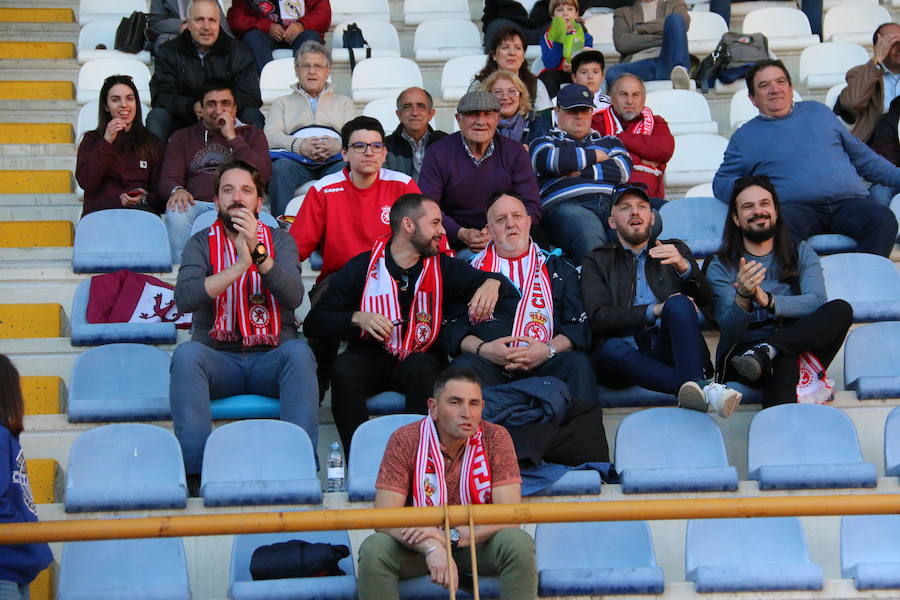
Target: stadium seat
point(598, 558)
point(276, 79)
point(825, 65)
point(367, 10)
point(119, 382)
point(259, 461)
point(672, 450)
point(98, 40)
point(740, 9)
point(787, 29)
point(443, 39)
point(868, 282)
point(92, 74)
point(831, 96)
point(243, 587)
point(632, 396)
point(698, 222)
point(832, 243)
point(457, 75)
point(738, 555)
point(421, 588)
point(697, 158)
point(87, 119)
point(742, 109)
point(854, 23)
point(704, 32)
point(575, 482)
point(385, 110)
point(684, 110)
point(380, 35)
point(870, 551)
point(104, 10)
point(418, 11)
point(892, 443)
point(601, 29)
point(94, 334)
point(806, 446)
point(369, 82)
point(366, 450)
point(136, 569)
point(870, 361)
point(121, 238)
point(126, 466)
point(701, 190)
point(206, 219)
point(829, 4)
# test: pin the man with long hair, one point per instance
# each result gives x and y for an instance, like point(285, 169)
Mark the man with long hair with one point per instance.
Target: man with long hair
point(769, 297)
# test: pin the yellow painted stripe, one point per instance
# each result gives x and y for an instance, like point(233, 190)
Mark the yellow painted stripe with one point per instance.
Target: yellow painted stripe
point(43, 475)
point(42, 587)
point(35, 182)
point(30, 321)
point(37, 15)
point(37, 50)
point(36, 133)
point(37, 90)
point(36, 234)
point(42, 394)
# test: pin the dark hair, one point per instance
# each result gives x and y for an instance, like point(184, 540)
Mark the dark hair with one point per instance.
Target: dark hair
point(588, 56)
point(236, 163)
point(759, 66)
point(358, 124)
point(497, 195)
point(878, 31)
point(732, 247)
point(12, 406)
point(407, 205)
point(409, 89)
point(453, 374)
point(528, 78)
point(137, 139)
point(215, 84)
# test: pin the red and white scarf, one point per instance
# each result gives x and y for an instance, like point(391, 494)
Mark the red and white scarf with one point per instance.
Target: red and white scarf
point(813, 385)
point(534, 315)
point(246, 301)
point(417, 331)
point(429, 482)
point(642, 126)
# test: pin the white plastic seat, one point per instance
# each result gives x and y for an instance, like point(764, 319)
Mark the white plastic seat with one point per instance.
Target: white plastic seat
point(601, 27)
point(854, 23)
point(832, 94)
point(104, 10)
point(351, 10)
point(87, 118)
point(701, 190)
point(829, 4)
point(458, 74)
point(742, 109)
point(380, 35)
point(740, 9)
point(697, 158)
point(704, 32)
point(442, 39)
point(383, 109)
point(825, 65)
point(93, 73)
point(383, 76)
point(684, 110)
point(276, 79)
point(419, 11)
point(103, 33)
point(785, 28)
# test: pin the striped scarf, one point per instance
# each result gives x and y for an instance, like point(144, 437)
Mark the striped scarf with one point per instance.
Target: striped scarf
point(642, 126)
point(429, 486)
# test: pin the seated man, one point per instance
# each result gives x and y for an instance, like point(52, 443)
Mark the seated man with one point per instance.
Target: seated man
point(641, 296)
point(423, 464)
point(463, 170)
point(407, 144)
point(242, 282)
point(305, 123)
point(813, 161)
point(184, 63)
point(390, 303)
point(587, 70)
point(265, 26)
point(168, 18)
point(651, 37)
point(646, 136)
point(577, 169)
point(769, 298)
point(531, 337)
point(194, 153)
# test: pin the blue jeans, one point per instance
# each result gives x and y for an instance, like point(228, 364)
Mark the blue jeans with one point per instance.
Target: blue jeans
point(10, 590)
point(288, 175)
point(200, 373)
point(577, 225)
point(811, 8)
point(178, 225)
point(870, 223)
point(261, 44)
point(674, 52)
point(663, 360)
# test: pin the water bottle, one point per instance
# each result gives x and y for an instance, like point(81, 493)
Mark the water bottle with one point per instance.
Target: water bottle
point(335, 469)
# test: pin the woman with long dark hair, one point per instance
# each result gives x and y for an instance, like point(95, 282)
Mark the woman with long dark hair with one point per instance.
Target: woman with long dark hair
point(118, 162)
point(508, 52)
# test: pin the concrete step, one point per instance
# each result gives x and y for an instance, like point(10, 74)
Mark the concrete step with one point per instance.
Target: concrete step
point(34, 85)
point(13, 110)
point(40, 71)
point(43, 394)
point(46, 480)
point(49, 32)
point(28, 234)
point(30, 181)
point(17, 14)
point(40, 213)
point(31, 50)
point(36, 162)
point(66, 199)
point(36, 133)
point(24, 152)
point(30, 321)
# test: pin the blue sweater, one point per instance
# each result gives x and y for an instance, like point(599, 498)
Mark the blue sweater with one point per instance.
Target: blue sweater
point(21, 562)
point(809, 155)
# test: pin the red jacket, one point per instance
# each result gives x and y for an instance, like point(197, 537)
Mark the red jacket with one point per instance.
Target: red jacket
point(243, 16)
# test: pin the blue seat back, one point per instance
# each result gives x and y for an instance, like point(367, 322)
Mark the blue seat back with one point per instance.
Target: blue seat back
point(868, 282)
point(93, 334)
point(698, 222)
point(892, 443)
point(119, 238)
point(206, 219)
point(832, 243)
point(870, 550)
point(870, 351)
point(245, 406)
point(366, 450)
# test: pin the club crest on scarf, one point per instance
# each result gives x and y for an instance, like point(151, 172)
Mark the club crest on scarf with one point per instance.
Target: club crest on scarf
point(429, 483)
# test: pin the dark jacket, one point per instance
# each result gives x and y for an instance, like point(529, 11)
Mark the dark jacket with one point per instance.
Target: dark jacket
point(515, 11)
point(180, 73)
point(400, 153)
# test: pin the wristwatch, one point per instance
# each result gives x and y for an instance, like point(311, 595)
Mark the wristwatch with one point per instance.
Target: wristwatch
point(551, 351)
point(454, 538)
point(260, 253)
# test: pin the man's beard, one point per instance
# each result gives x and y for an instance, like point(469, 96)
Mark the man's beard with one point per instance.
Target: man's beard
point(423, 244)
point(226, 218)
point(758, 236)
point(636, 238)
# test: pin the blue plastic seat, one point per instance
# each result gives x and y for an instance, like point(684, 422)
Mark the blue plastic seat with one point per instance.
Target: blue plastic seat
point(366, 450)
point(591, 559)
point(119, 382)
point(245, 406)
point(206, 219)
point(632, 396)
point(95, 334)
point(386, 403)
point(698, 222)
point(868, 282)
point(119, 238)
point(242, 586)
point(259, 462)
point(832, 243)
point(892, 443)
point(126, 466)
point(870, 361)
point(672, 450)
point(580, 482)
point(139, 569)
point(738, 555)
point(805, 446)
point(870, 550)
point(421, 588)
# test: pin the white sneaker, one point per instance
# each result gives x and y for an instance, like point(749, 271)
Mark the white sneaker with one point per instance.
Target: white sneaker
point(690, 395)
point(681, 79)
point(724, 399)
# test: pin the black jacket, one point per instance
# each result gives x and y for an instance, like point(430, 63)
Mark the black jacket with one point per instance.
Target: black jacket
point(400, 153)
point(179, 74)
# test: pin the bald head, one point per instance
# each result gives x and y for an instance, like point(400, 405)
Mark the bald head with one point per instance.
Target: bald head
point(628, 95)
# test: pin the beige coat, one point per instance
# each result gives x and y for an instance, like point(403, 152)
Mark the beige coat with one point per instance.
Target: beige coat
point(864, 98)
point(631, 34)
point(290, 113)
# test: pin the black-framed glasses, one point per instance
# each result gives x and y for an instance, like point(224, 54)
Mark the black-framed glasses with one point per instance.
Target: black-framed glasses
point(362, 147)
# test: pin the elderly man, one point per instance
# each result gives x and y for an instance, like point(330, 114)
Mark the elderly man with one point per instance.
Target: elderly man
point(463, 170)
point(194, 153)
point(305, 125)
point(577, 170)
point(451, 457)
point(168, 18)
point(407, 144)
point(184, 63)
point(813, 161)
point(265, 26)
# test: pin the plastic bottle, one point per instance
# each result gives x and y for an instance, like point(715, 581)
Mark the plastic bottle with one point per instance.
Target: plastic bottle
point(335, 468)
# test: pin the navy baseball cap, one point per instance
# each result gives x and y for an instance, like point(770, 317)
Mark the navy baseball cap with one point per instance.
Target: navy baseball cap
point(623, 189)
point(575, 95)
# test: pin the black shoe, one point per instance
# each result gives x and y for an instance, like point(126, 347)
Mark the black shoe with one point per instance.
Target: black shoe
point(752, 363)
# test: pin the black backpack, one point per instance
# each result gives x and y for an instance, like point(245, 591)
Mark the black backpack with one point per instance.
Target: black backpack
point(732, 58)
point(131, 34)
point(353, 38)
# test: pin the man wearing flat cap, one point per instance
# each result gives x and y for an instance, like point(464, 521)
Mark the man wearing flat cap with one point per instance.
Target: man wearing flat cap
point(463, 170)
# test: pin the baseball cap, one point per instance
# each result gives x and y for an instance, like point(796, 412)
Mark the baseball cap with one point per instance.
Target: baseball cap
point(623, 189)
point(476, 101)
point(574, 95)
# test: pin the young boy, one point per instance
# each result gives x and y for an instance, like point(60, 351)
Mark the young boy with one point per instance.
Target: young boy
point(565, 37)
point(587, 69)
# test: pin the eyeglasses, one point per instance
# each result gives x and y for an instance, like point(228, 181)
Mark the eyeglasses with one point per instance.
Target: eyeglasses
point(511, 93)
point(361, 147)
